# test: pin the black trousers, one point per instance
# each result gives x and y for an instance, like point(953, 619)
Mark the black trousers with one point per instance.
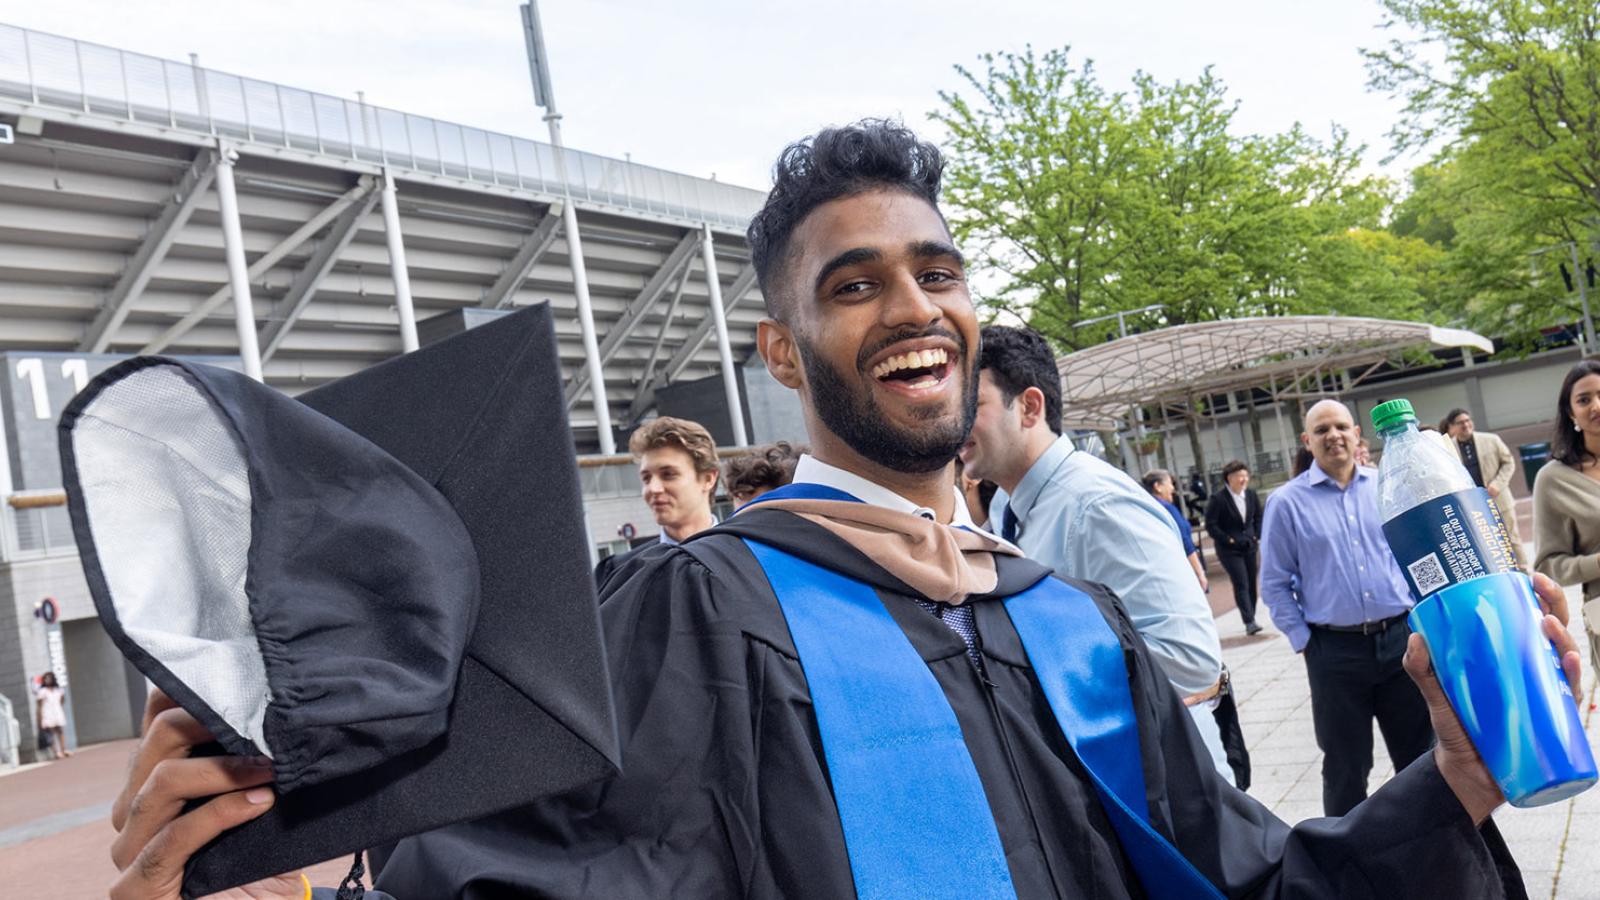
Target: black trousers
point(1355, 677)
point(1242, 569)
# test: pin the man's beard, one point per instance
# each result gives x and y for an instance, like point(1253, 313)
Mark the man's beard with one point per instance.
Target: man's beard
point(857, 419)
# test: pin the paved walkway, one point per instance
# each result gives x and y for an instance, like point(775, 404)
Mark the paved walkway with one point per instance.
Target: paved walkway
point(1554, 845)
point(55, 827)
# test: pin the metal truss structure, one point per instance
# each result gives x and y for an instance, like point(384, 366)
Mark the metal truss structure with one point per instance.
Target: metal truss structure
point(152, 206)
point(1174, 366)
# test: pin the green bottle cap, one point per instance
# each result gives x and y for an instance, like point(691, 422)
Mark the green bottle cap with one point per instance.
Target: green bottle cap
point(1394, 412)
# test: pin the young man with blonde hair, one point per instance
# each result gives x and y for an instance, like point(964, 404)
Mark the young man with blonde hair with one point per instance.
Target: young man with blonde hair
point(677, 477)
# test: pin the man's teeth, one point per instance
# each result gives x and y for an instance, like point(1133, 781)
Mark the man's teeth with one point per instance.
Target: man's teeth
point(911, 359)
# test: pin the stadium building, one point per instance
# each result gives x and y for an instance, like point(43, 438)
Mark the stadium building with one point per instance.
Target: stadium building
point(154, 206)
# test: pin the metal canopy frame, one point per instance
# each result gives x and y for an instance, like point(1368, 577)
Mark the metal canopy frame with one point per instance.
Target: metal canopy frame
point(618, 334)
point(131, 283)
point(646, 398)
point(274, 172)
point(1175, 365)
point(534, 247)
point(666, 323)
point(261, 266)
point(305, 284)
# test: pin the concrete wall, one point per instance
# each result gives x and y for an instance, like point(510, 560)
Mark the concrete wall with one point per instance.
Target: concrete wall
point(107, 691)
point(1520, 396)
point(705, 400)
point(105, 695)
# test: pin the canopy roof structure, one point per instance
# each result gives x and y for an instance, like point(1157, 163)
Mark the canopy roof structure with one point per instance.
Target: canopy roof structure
point(1100, 384)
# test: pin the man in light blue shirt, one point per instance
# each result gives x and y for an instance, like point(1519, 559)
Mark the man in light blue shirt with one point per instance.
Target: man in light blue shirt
point(1334, 590)
point(1087, 520)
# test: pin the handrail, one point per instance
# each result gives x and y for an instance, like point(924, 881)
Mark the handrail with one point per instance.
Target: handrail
point(10, 735)
point(36, 499)
point(59, 72)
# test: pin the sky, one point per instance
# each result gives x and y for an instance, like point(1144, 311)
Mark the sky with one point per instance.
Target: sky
point(708, 87)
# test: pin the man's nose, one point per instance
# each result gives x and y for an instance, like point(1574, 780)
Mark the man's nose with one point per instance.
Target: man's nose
point(905, 302)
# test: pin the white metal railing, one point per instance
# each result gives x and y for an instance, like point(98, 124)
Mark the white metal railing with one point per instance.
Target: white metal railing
point(10, 735)
point(63, 73)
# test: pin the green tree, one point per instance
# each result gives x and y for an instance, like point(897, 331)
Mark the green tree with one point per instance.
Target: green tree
point(1040, 169)
point(1509, 91)
point(1083, 201)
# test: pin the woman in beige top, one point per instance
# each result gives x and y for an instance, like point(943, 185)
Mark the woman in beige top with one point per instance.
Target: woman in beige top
point(1566, 496)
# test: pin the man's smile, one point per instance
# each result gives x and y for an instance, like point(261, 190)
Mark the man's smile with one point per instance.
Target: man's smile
point(917, 370)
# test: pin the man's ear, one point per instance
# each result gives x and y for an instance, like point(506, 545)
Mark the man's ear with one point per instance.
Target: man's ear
point(781, 353)
point(1032, 400)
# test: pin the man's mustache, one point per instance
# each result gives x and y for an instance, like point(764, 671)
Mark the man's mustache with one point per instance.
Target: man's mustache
point(909, 334)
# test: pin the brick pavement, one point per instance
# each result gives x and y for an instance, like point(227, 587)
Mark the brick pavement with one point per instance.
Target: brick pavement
point(55, 827)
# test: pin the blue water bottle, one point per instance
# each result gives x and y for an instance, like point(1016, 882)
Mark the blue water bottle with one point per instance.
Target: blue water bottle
point(1479, 615)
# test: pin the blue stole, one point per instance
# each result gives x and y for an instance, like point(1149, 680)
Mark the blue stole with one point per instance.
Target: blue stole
point(915, 818)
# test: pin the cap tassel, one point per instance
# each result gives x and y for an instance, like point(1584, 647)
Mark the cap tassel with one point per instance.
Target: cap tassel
point(351, 887)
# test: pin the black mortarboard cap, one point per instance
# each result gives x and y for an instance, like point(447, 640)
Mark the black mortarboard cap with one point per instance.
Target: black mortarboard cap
point(383, 585)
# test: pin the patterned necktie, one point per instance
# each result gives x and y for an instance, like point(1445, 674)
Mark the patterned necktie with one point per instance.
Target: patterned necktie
point(960, 620)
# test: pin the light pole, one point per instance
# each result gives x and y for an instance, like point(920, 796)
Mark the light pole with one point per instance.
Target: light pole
point(544, 95)
point(1136, 413)
point(1586, 336)
point(1119, 315)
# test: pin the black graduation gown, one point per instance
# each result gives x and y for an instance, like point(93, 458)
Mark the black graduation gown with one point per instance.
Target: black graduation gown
point(605, 567)
point(724, 791)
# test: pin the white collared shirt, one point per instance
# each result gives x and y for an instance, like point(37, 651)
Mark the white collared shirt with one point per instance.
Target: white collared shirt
point(810, 470)
point(1089, 520)
point(672, 542)
point(1238, 500)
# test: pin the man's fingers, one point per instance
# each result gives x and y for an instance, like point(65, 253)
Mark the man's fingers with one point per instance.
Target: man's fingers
point(1552, 599)
point(1572, 666)
point(169, 735)
point(158, 869)
point(155, 703)
point(174, 782)
point(1567, 651)
point(1419, 665)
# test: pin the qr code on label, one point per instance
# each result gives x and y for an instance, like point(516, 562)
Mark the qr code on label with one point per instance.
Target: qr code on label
point(1427, 574)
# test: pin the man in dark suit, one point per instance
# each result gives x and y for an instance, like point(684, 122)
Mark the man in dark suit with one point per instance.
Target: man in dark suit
point(1233, 519)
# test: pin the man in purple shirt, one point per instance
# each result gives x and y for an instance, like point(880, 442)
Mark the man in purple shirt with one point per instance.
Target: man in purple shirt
point(1335, 591)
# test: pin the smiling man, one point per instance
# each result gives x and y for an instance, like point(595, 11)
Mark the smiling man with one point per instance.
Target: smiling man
point(846, 691)
point(678, 470)
point(1337, 594)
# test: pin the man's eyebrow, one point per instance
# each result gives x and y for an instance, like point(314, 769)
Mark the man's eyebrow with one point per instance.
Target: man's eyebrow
point(847, 258)
point(928, 249)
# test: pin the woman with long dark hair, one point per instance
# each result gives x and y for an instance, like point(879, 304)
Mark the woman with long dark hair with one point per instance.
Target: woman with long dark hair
point(1566, 495)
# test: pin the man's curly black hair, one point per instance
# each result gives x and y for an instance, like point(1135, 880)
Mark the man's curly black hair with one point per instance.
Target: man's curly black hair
point(871, 154)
